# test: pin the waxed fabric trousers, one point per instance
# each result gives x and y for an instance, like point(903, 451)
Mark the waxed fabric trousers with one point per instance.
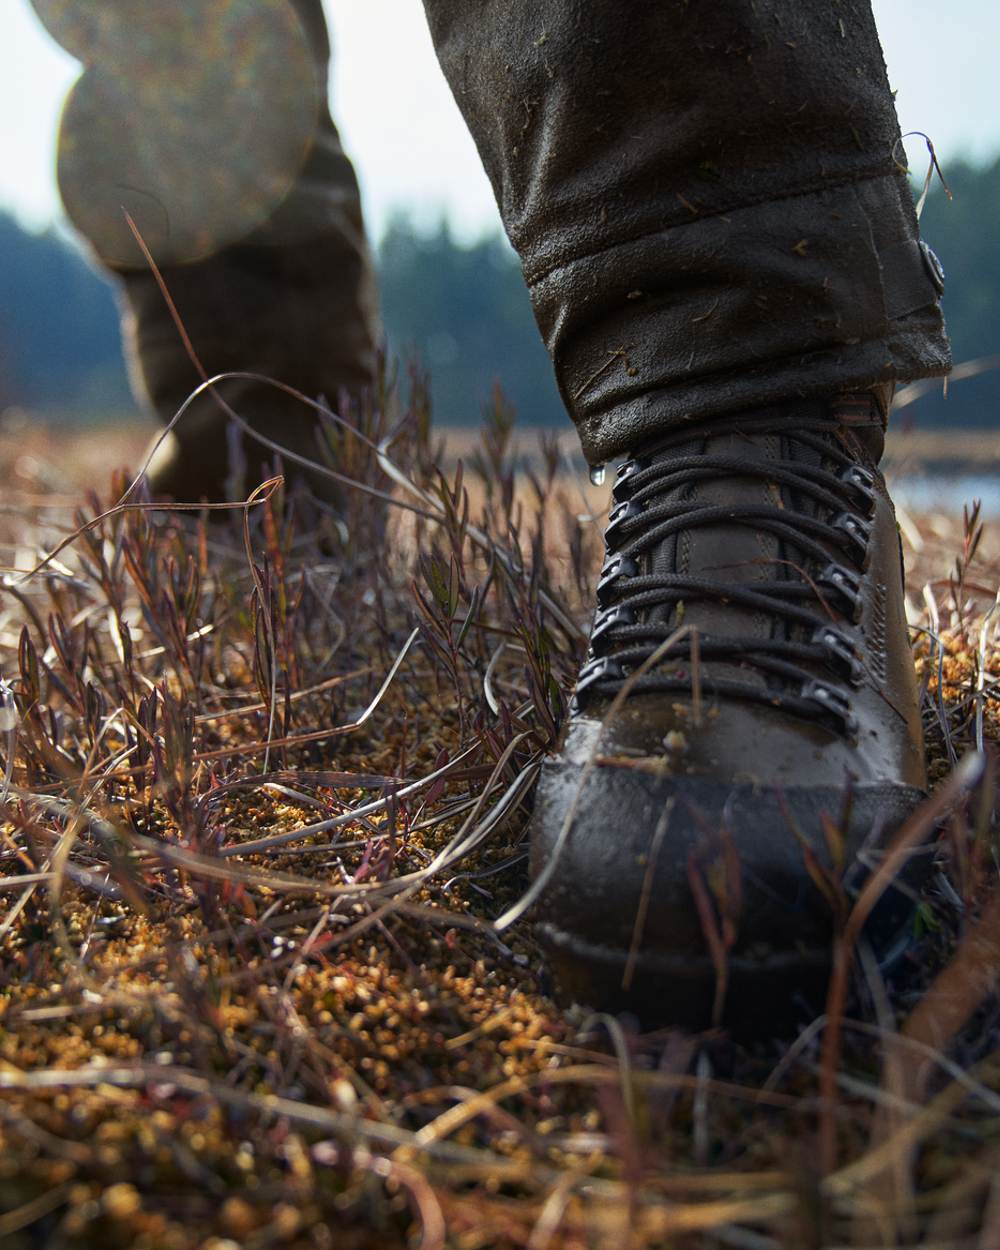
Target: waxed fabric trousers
point(708, 200)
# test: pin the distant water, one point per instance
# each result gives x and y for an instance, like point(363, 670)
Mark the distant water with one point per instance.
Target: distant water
point(944, 493)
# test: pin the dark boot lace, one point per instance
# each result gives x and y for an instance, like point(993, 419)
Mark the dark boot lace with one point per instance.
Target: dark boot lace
point(824, 528)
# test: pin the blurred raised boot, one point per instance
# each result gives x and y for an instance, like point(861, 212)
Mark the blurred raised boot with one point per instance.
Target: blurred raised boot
point(207, 121)
point(751, 613)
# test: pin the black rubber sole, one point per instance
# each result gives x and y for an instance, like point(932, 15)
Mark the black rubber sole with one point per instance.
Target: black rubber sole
point(762, 996)
point(765, 997)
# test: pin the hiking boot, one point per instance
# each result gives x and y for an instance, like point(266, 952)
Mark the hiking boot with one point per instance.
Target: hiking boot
point(750, 645)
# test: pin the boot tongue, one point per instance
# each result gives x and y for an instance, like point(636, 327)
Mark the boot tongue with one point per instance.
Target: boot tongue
point(739, 553)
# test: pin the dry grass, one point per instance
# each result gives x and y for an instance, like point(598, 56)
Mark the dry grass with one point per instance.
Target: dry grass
point(256, 834)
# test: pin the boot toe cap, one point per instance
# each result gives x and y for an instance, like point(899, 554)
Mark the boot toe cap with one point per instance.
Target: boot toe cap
point(626, 841)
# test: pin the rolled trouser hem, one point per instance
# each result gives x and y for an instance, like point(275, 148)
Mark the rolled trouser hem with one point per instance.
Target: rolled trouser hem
point(863, 366)
point(818, 292)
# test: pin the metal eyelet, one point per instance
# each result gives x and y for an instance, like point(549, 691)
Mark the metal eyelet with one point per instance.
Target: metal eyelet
point(858, 533)
point(846, 585)
point(609, 619)
point(603, 668)
point(863, 484)
point(617, 566)
point(623, 478)
point(841, 654)
point(833, 702)
point(620, 515)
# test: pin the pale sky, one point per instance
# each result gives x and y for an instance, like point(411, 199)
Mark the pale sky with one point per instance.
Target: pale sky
point(409, 143)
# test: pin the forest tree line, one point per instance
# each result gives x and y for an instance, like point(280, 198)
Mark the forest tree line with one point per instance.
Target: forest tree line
point(459, 308)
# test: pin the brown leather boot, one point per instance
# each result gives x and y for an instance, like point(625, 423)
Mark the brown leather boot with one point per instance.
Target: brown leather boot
point(781, 722)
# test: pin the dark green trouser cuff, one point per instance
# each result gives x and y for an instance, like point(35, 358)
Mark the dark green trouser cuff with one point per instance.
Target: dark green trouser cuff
point(705, 198)
point(805, 295)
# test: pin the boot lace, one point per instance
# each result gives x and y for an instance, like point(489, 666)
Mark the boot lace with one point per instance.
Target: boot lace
point(829, 545)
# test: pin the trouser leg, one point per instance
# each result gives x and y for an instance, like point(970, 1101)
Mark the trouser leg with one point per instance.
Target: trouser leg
point(209, 121)
point(706, 199)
